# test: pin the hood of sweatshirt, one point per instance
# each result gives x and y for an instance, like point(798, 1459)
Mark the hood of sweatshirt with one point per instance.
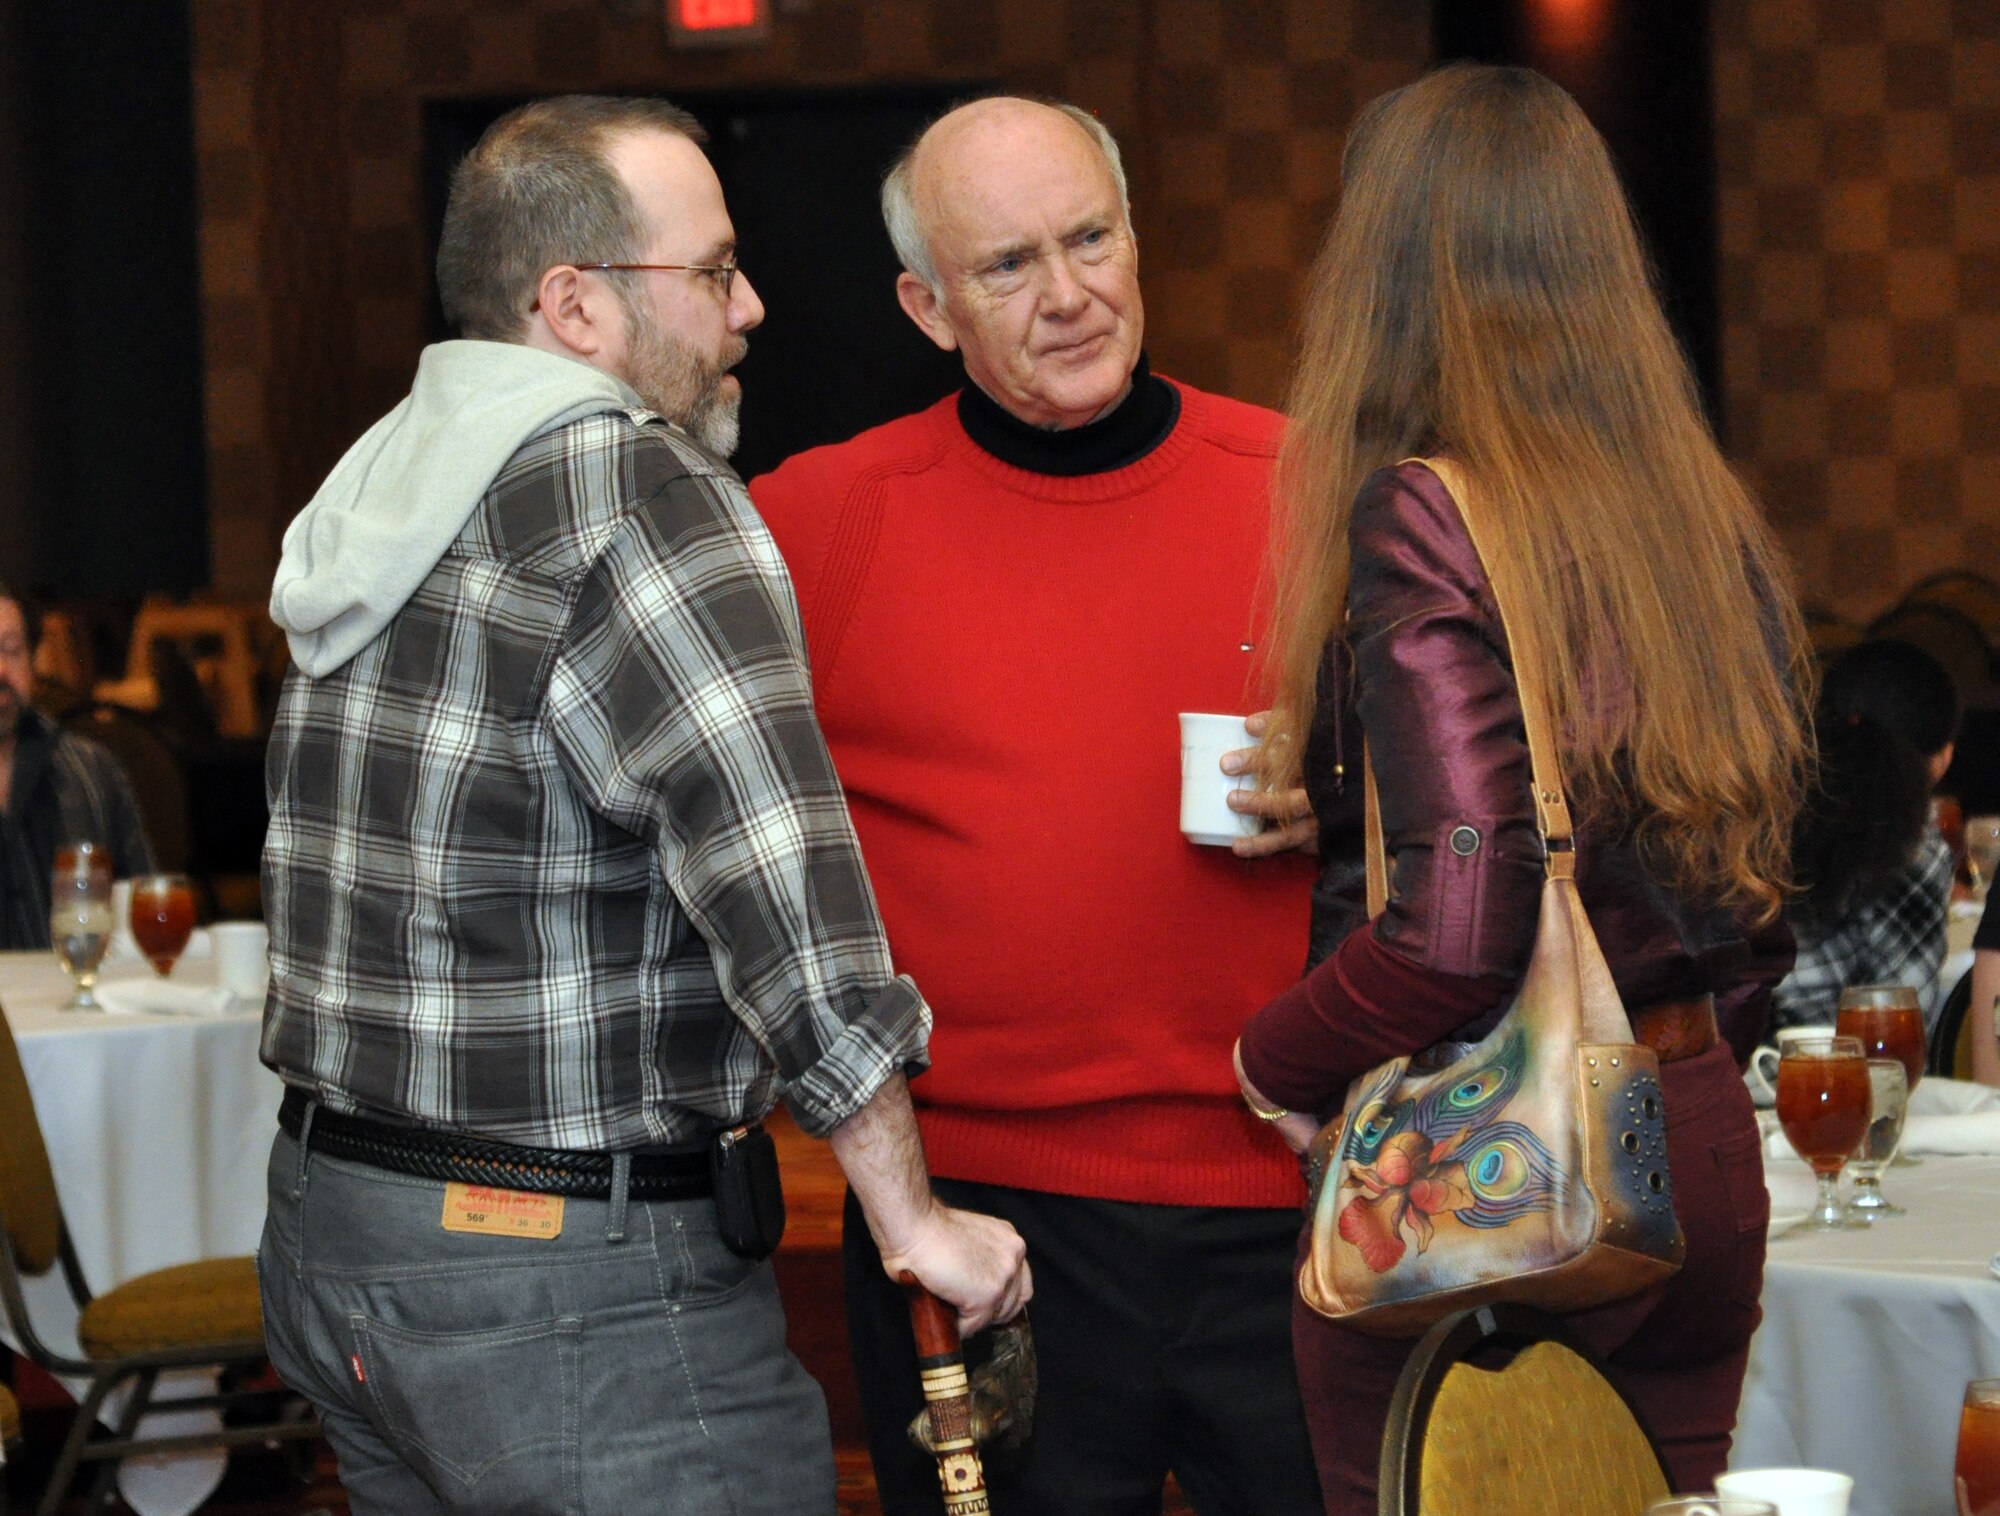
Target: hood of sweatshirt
point(403, 493)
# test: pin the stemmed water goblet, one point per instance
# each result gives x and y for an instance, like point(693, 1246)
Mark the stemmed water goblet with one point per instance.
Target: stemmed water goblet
point(1888, 1105)
point(80, 920)
point(1823, 1102)
point(1982, 852)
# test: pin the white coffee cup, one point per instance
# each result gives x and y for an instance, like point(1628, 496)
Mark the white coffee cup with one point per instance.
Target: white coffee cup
point(1795, 1492)
point(242, 958)
point(1205, 814)
point(1762, 1074)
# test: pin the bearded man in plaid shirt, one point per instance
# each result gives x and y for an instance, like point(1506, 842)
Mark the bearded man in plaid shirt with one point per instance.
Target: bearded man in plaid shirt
point(563, 892)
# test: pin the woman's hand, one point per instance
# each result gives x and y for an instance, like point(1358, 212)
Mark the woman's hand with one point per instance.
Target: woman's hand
point(1295, 1128)
point(1288, 815)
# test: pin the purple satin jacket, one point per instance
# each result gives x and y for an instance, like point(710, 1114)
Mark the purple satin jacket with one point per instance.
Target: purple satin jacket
point(1425, 672)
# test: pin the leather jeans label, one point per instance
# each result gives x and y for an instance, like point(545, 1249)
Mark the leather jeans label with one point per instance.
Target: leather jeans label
point(501, 1213)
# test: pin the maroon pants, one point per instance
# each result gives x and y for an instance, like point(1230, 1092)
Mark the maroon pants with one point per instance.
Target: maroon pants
point(1678, 1351)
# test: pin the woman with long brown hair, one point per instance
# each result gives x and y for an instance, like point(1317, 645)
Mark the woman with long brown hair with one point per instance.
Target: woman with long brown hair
point(1482, 296)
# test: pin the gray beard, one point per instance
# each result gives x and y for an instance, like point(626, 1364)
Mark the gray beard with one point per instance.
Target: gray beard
point(673, 380)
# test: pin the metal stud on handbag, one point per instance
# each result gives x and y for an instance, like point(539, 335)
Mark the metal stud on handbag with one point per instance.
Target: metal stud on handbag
point(1530, 1166)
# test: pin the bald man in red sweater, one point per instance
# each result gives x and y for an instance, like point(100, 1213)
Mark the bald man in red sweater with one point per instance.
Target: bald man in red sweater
point(1008, 598)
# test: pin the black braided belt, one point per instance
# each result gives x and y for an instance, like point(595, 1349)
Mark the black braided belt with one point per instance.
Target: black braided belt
point(504, 1166)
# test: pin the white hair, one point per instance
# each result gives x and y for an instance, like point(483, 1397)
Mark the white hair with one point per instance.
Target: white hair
point(899, 209)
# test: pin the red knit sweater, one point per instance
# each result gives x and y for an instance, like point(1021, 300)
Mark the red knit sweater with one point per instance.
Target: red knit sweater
point(998, 660)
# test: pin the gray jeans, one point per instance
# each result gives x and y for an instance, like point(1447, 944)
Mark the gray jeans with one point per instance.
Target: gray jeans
point(459, 1372)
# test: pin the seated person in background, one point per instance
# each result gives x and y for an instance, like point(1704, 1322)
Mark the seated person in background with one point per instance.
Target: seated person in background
point(55, 787)
point(1875, 874)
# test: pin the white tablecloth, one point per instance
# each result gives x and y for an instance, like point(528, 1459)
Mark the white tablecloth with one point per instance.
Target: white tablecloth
point(158, 1128)
point(1869, 1337)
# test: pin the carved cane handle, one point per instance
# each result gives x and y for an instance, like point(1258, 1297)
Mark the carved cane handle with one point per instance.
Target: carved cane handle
point(947, 1401)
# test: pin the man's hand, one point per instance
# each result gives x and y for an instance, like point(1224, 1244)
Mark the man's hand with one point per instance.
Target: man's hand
point(1289, 819)
point(977, 1263)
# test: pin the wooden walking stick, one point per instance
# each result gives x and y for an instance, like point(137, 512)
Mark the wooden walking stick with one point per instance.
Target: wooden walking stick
point(947, 1401)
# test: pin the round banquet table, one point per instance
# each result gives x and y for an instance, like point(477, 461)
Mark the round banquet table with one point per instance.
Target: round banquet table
point(1869, 1337)
point(158, 1129)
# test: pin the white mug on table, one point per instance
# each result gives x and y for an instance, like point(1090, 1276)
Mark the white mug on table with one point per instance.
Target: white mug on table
point(242, 958)
point(1795, 1492)
point(1762, 1073)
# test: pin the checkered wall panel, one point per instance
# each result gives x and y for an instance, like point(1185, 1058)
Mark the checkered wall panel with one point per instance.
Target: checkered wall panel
point(1859, 145)
point(1231, 113)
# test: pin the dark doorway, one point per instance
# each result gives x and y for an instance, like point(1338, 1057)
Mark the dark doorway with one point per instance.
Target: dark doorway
point(1640, 69)
point(108, 360)
point(801, 171)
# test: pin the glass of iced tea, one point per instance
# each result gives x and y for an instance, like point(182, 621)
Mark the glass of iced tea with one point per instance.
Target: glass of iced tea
point(1889, 1020)
point(162, 918)
point(1978, 1466)
point(1823, 1104)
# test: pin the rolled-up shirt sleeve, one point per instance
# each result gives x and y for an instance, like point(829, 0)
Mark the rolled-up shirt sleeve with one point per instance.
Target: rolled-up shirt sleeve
point(682, 710)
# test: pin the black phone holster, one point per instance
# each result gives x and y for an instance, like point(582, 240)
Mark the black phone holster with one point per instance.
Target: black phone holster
point(749, 1199)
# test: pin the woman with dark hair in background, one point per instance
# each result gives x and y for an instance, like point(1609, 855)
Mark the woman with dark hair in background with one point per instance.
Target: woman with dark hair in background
point(1874, 872)
point(1482, 295)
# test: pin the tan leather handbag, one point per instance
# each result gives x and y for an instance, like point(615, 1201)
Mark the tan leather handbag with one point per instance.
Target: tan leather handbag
point(1530, 1166)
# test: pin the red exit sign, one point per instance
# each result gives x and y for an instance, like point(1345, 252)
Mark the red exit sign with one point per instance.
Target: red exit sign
point(717, 23)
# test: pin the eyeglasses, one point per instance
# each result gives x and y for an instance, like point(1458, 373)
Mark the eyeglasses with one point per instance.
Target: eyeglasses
point(725, 272)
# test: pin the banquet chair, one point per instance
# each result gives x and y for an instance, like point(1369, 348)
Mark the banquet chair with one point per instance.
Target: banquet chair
point(1948, 635)
point(1972, 594)
point(10, 1435)
point(1547, 1432)
point(1950, 1055)
point(203, 1315)
point(1827, 634)
point(159, 782)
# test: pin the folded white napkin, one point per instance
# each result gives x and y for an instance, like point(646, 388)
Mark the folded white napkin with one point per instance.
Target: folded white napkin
point(164, 997)
point(1937, 1096)
point(1966, 1132)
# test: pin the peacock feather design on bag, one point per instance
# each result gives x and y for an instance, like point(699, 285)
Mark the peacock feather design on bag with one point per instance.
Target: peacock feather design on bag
point(1447, 1152)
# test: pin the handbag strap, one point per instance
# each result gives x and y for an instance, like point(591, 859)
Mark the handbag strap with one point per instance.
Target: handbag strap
point(1552, 814)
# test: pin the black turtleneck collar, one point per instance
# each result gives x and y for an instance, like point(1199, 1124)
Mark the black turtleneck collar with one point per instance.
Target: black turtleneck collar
point(1143, 420)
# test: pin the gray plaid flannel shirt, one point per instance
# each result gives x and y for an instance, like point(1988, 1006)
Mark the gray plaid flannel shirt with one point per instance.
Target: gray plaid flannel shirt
point(560, 858)
point(1896, 938)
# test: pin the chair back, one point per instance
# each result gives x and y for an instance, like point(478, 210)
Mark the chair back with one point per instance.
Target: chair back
point(1948, 635)
point(28, 1206)
point(1548, 1431)
point(1973, 595)
point(158, 779)
point(1950, 1054)
point(1828, 634)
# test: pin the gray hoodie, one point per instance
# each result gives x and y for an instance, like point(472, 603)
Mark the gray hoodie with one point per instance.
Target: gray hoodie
point(401, 495)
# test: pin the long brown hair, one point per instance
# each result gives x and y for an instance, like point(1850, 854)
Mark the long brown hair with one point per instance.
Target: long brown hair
point(1483, 291)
